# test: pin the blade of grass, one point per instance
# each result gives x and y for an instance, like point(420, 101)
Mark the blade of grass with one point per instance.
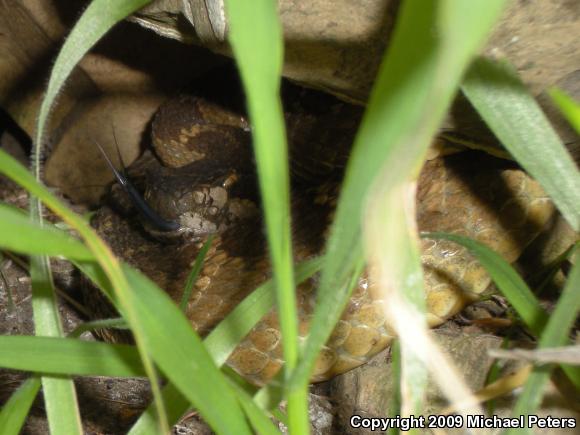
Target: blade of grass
point(399, 280)
point(512, 287)
point(207, 396)
point(118, 323)
point(180, 364)
point(224, 338)
point(59, 393)
point(192, 277)
point(569, 354)
point(20, 234)
point(569, 108)
point(45, 355)
point(253, 391)
point(97, 19)
point(258, 418)
point(395, 403)
point(270, 396)
point(14, 412)
point(516, 119)
point(179, 352)
point(506, 278)
point(555, 334)
point(502, 386)
point(256, 39)
point(429, 51)
point(60, 396)
point(177, 405)
point(493, 375)
point(544, 276)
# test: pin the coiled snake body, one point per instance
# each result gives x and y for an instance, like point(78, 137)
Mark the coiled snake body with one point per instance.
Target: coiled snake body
point(206, 183)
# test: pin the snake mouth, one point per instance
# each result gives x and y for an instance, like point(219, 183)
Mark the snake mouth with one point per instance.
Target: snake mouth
point(179, 203)
point(156, 221)
point(149, 214)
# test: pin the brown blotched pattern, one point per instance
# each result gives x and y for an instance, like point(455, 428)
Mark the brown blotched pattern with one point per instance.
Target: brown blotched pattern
point(469, 194)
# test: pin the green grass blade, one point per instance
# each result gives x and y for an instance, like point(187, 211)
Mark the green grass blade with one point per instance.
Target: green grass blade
point(192, 277)
point(43, 302)
point(149, 322)
point(59, 393)
point(179, 352)
point(569, 108)
point(257, 30)
point(176, 406)
point(506, 279)
point(258, 418)
point(395, 403)
point(514, 289)
point(45, 355)
point(270, 396)
point(20, 234)
point(13, 413)
point(390, 237)
point(544, 276)
point(99, 17)
point(430, 48)
point(118, 323)
point(256, 39)
point(180, 365)
point(516, 119)
point(493, 375)
point(224, 338)
point(555, 334)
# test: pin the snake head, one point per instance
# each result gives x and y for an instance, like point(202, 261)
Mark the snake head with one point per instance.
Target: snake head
point(195, 198)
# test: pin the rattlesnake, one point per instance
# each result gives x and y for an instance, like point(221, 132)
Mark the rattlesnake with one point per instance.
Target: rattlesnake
point(203, 160)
